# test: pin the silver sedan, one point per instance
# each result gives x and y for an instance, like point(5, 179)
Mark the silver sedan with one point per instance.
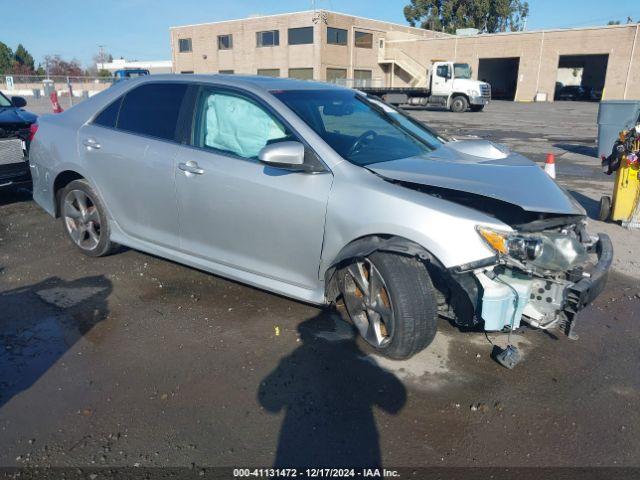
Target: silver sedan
point(322, 194)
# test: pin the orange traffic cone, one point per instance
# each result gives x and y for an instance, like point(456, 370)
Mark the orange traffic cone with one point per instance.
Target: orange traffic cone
point(550, 165)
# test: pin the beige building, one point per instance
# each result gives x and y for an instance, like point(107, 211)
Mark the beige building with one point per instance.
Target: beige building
point(329, 46)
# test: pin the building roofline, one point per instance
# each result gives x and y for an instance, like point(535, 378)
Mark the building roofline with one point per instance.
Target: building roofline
point(447, 35)
point(527, 32)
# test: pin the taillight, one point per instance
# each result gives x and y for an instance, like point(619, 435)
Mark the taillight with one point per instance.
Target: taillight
point(33, 128)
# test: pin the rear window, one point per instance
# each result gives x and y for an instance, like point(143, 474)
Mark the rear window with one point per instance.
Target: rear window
point(109, 116)
point(152, 110)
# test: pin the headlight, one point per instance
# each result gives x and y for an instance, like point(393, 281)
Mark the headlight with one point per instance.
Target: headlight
point(548, 251)
point(473, 93)
point(512, 244)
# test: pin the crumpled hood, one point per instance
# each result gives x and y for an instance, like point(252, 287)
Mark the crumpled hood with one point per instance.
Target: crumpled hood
point(11, 117)
point(484, 168)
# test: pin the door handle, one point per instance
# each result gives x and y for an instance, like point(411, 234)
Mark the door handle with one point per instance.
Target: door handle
point(91, 143)
point(191, 167)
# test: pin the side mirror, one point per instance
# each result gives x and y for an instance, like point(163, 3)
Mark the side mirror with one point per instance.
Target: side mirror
point(283, 155)
point(18, 102)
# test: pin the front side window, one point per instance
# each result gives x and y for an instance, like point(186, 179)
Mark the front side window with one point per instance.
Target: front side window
point(270, 38)
point(461, 70)
point(359, 130)
point(152, 110)
point(300, 36)
point(442, 71)
point(236, 125)
point(336, 36)
point(364, 40)
point(184, 45)
point(225, 42)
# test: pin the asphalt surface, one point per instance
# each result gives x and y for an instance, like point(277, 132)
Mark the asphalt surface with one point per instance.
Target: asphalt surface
point(134, 360)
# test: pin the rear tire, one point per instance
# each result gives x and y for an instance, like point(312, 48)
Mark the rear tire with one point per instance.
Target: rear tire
point(398, 320)
point(459, 104)
point(84, 219)
point(605, 209)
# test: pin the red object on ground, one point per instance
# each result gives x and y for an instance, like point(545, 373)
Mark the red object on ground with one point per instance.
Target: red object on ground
point(550, 165)
point(54, 103)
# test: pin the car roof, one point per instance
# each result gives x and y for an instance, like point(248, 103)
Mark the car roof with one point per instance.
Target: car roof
point(252, 82)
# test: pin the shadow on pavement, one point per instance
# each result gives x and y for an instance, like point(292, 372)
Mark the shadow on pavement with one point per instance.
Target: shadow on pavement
point(591, 206)
point(14, 195)
point(328, 389)
point(40, 322)
point(590, 151)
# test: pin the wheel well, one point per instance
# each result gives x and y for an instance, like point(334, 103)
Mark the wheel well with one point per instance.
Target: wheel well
point(62, 180)
point(365, 246)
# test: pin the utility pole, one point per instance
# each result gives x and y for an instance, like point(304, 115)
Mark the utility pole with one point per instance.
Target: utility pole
point(101, 56)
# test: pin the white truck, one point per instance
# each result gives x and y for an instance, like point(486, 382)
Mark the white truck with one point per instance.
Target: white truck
point(449, 86)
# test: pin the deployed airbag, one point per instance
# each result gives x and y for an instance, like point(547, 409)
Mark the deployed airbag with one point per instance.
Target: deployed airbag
point(238, 125)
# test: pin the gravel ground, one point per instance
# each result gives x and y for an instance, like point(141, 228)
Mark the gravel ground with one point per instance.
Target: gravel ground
point(133, 360)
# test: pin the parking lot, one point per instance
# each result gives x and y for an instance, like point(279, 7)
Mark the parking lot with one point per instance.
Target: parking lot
point(135, 360)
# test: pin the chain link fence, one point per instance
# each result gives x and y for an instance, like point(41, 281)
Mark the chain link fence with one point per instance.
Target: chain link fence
point(37, 89)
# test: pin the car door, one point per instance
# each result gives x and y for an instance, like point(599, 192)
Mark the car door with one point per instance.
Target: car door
point(239, 212)
point(129, 150)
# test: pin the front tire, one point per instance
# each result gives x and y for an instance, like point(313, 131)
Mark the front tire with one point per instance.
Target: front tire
point(604, 213)
point(459, 104)
point(84, 219)
point(391, 301)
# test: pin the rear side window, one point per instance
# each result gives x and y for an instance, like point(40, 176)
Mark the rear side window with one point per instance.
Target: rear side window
point(109, 116)
point(152, 110)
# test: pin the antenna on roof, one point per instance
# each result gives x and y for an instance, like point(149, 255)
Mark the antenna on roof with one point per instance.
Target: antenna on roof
point(318, 15)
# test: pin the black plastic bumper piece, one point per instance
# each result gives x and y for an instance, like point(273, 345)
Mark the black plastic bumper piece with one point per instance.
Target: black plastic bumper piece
point(587, 289)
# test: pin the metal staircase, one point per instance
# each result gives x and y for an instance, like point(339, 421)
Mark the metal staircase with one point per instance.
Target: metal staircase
point(407, 63)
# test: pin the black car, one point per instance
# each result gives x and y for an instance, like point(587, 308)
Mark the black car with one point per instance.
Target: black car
point(17, 128)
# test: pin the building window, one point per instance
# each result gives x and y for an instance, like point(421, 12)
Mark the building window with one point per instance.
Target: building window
point(301, 73)
point(300, 36)
point(184, 45)
point(270, 38)
point(225, 42)
point(225, 72)
point(186, 72)
point(336, 75)
point(364, 40)
point(336, 36)
point(362, 78)
point(269, 72)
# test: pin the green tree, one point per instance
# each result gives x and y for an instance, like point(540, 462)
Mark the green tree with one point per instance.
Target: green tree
point(6, 59)
point(24, 61)
point(488, 16)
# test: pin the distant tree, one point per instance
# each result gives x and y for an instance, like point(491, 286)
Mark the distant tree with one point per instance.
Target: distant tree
point(614, 22)
point(104, 73)
point(99, 59)
point(40, 71)
point(6, 59)
point(488, 16)
point(60, 67)
point(24, 63)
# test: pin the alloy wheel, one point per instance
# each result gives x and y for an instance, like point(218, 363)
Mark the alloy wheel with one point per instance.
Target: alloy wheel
point(82, 219)
point(368, 303)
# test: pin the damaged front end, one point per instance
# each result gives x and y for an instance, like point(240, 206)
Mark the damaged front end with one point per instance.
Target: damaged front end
point(546, 266)
point(543, 278)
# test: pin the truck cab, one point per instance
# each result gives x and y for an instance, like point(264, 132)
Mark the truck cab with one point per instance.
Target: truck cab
point(127, 73)
point(451, 86)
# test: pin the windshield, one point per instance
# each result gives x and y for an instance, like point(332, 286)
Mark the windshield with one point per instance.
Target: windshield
point(461, 70)
point(361, 131)
point(4, 101)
